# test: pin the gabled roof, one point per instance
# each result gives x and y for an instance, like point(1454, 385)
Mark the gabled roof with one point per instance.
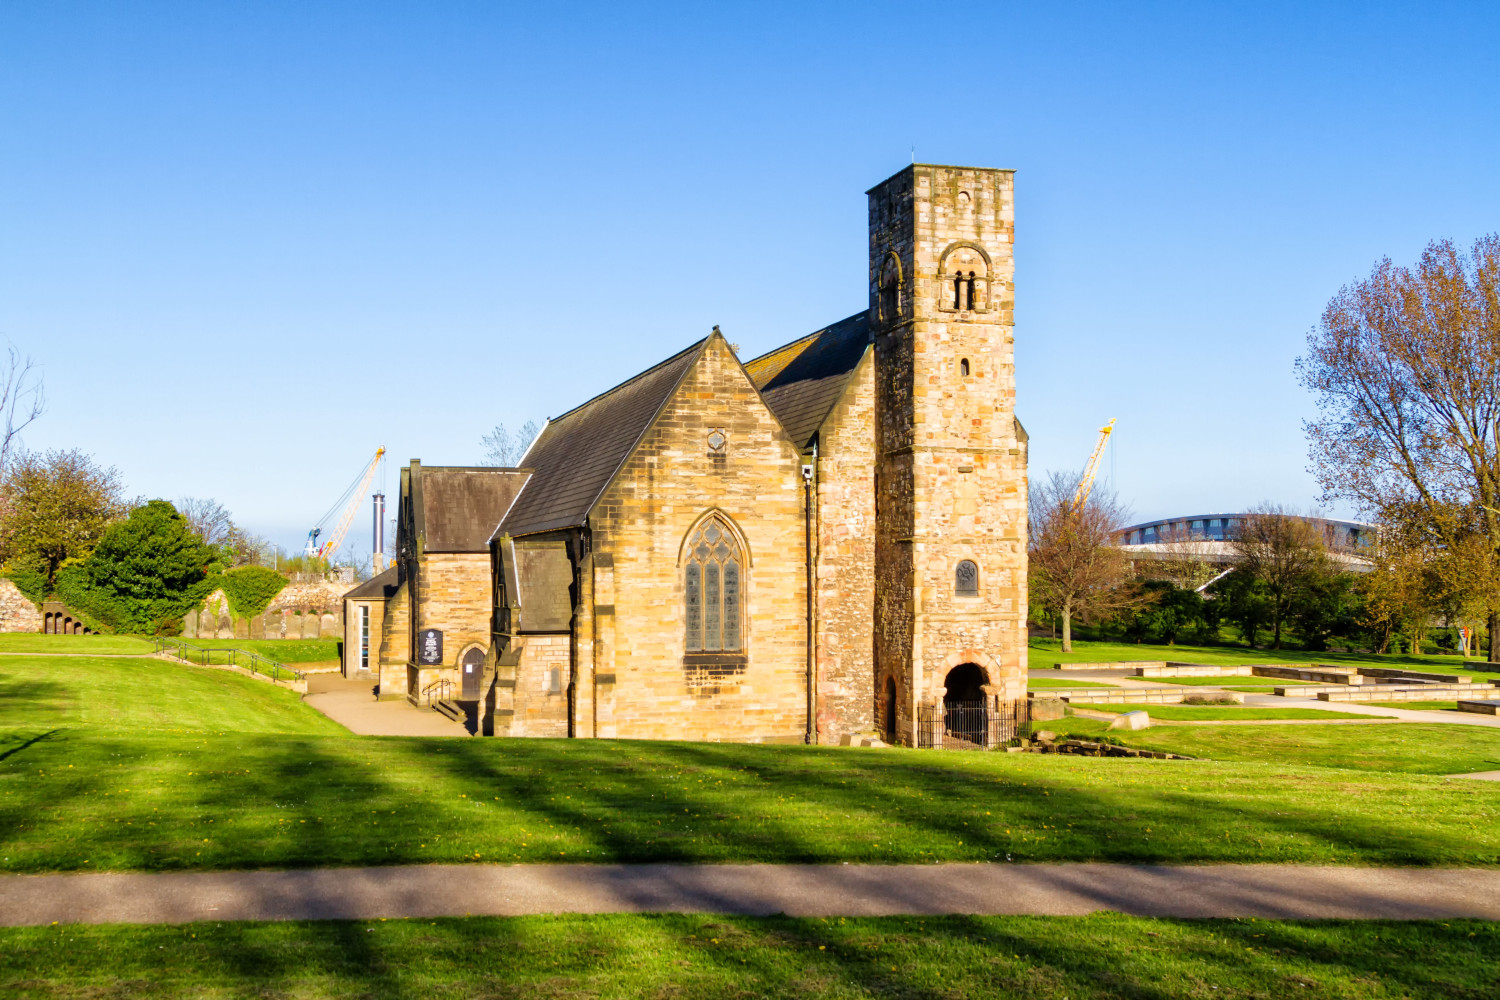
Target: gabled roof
point(801, 381)
point(577, 454)
point(380, 587)
point(460, 506)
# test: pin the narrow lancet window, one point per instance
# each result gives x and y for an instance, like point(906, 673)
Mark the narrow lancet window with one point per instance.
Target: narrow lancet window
point(714, 602)
point(963, 367)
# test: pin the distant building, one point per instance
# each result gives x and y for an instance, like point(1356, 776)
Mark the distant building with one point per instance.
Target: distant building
point(1208, 538)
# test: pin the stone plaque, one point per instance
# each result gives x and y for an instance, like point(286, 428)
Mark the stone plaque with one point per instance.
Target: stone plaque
point(430, 647)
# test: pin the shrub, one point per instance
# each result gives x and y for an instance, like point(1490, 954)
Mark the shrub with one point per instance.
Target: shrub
point(29, 574)
point(146, 573)
point(250, 589)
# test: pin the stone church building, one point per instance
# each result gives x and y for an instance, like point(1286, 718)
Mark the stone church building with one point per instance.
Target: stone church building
point(825, 540)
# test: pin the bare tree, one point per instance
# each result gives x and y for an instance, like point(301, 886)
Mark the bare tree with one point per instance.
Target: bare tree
point(1074, 568)
point(21, 400)
point(208, 519)
point(1179, 561)
point(1406, 366)
point(505, 449)
point(1282, 551)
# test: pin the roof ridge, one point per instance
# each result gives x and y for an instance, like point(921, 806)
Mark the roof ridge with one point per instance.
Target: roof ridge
point(818, 332)
point(634, 378)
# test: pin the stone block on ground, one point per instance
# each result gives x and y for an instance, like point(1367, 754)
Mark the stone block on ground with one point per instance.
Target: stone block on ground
point(1132, 721)
point(1047, 709)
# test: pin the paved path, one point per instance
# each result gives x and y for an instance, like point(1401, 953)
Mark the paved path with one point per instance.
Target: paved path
point(1268, 891)
point(352, 704)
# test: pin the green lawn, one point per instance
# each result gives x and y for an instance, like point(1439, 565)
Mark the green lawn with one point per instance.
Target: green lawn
point(36, 642)
point(149, 765)
point(1100, 957)
point(1189, 712)
point(282, 650)
point(1043, 683)
point(1262, 685)
point(1045, 652)
point(83, 695)
point(1409, 748)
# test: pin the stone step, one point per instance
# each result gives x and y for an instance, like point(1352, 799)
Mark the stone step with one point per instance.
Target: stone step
point(1128, 696)
point(1487, 707)
point(451, 709)
point(1318, 673)
point(1384, 673)
point(1413, 692)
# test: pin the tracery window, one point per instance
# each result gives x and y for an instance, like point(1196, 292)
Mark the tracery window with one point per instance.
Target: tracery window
point(713, 595)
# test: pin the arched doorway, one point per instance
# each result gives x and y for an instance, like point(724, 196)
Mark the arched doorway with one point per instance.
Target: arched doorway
point(471, 669)
point(965, 706)
point(889, 734)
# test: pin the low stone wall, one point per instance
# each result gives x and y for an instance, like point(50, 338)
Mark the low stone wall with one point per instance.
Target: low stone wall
point(1414, 675)
point(1318, 673)
point(1488, 707)
point(1126, 696)
point(17, 613)
point(1174, 669)
point(1126, 665)
point(1413, 692)
point(212, 623)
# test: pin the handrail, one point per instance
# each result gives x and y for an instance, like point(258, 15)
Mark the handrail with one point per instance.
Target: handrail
point(245, 659)
point(442, 685)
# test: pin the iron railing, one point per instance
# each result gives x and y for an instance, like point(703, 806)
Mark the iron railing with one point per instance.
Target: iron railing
point(245, 659)
point(439, 690)
point(973, 725)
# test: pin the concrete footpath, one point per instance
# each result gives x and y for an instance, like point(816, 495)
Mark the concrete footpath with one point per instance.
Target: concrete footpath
point(1265, 891)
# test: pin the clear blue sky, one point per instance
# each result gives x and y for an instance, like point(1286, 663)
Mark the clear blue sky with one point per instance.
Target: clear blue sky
point(252, 241)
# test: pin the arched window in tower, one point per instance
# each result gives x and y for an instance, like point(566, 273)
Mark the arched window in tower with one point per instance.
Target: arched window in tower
point(966, 579)
point(965, 269)
point(713, 599)
point(890, 289)
point(963, 367)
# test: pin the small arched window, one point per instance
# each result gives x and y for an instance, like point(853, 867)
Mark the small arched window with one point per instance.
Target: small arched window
point(966, 579)
point(963, 367)
point(712, 590)
point(890, 289)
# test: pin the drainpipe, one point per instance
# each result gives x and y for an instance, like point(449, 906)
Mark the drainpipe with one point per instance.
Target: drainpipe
point(812, 679)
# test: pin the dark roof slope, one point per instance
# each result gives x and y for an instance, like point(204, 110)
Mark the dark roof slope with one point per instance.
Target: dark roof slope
point(461, 506)
point(380, 587)
point(578, 453)
point(801, 381)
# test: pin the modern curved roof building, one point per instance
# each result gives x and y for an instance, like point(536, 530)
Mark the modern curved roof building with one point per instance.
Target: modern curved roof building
point(1207, 538)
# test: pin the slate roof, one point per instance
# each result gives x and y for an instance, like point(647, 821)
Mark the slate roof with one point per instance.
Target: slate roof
point(461, 506)
point(578, 453)
point(801, 381)
point(380, 587)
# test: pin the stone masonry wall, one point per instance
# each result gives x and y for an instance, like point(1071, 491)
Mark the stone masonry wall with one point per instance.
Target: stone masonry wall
point(395, 643)
point(951, 465)
point(17, 613)
point(639, 529)
point(538, 709)
point(455, 596)
point(845, 578)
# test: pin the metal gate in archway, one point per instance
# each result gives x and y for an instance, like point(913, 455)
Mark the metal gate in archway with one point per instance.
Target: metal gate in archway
point(973, 725)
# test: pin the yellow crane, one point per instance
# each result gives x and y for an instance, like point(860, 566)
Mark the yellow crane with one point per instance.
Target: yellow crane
point(349, 503)
point(1086, 484)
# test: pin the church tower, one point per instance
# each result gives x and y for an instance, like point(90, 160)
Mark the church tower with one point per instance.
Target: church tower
point(950, 508)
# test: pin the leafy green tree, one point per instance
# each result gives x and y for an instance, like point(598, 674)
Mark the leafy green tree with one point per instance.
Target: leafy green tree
point(57, 507)
point(146, 572)
point(1325, 607)
point(1244, 603)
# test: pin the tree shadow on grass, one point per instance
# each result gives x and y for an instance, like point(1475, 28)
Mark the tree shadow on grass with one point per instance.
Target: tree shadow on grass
point(712, 957)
